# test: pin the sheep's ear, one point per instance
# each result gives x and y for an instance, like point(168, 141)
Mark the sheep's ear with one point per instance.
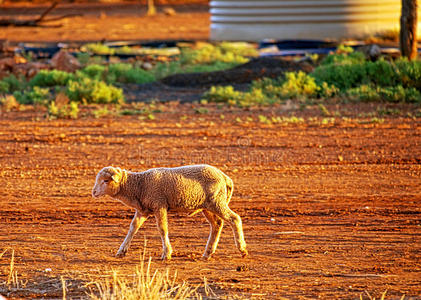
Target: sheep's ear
point(116, 177)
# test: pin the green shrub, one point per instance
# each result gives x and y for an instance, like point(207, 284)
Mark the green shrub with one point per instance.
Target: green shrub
point(381, 73)
point(409, 73)
point(93, 71)
point(271, 87)
point(46, 78)
point(126, 73)
point(236, 53)
point(93, 91)
point(4, 87)
point(299, 84)
point(291, 85)
point(390, 94)
point(343, 77)
point(400, 94)
point(344, 58)
point(225, 94)
point(254, 97)
point(11, 84)
point(35, 95)
point(364, 93)
point(70, 110)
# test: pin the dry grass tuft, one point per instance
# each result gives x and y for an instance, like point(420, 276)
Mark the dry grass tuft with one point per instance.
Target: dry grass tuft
point(144, 284)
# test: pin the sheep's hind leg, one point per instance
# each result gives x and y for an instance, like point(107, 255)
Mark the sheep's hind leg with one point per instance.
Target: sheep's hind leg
point(237, 227)
point(162, 224)
point(216, 224)
point(136, 223)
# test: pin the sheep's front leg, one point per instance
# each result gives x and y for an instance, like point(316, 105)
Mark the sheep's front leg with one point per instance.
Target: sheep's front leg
point(136, 223)
point(162, 223)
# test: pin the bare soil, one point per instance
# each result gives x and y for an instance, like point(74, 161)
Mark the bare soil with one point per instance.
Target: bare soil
point(107, 21)
point(329, 210)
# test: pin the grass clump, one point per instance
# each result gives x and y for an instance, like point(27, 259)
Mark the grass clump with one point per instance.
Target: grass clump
point(65, 111)
point(346, 74)
point(207, 58)
point(36, 95)
point(344, 55)
point(117, 73)
point(127, 73)
point(11, 84)
point(89, 90)
point(236, 53)
point(9, 103)
point(145, 284)
point(46, 78)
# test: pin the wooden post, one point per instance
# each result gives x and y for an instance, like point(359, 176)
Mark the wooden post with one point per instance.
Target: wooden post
point(151, 8)
point(408, 32)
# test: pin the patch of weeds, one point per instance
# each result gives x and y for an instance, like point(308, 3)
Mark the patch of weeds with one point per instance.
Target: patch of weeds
point(206, 58)
point(94, 71)
point(9, 103)
point(400, 94)
point(224, 52)
point(299, 84)
point(64, 111)
point(253, 97)
point(150, 116)
point(226, 94)
point(201, 110)
point(36, 95)
point(344, 55)
point(46, 78)
point(409, 73)
point(93, 91)
point(365, 93)
point(324, 111)
point(62, 108)
point(263, 119)
point(389, 112)
point(327, 121)
point(127, 73)
point(101, 112)
point(11, 84)
point(373, 120)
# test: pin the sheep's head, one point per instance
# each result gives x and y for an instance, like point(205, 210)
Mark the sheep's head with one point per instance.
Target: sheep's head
point(108, 182)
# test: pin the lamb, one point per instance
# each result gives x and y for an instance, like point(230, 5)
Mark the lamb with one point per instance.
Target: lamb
point(194, 188)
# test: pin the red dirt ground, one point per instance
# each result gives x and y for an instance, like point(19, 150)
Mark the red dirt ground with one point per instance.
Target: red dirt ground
point(101, 21)
point(329, 210)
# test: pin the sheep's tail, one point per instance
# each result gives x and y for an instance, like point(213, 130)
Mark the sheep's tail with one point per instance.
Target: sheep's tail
point(230, 188)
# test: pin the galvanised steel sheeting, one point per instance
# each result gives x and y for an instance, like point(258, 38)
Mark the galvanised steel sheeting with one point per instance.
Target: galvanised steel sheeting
point(301, 19)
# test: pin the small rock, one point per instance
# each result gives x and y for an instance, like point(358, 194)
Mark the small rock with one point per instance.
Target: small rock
point(64, 61)
point(169, 11)
point(147, 66)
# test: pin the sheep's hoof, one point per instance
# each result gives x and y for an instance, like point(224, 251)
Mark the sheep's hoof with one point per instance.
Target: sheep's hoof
point(165, 258)
point(244, 253)
point(120, 254)
point(206, 256)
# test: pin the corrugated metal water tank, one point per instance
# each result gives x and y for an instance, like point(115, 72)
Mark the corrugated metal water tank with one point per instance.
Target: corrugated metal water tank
point(301, 19)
